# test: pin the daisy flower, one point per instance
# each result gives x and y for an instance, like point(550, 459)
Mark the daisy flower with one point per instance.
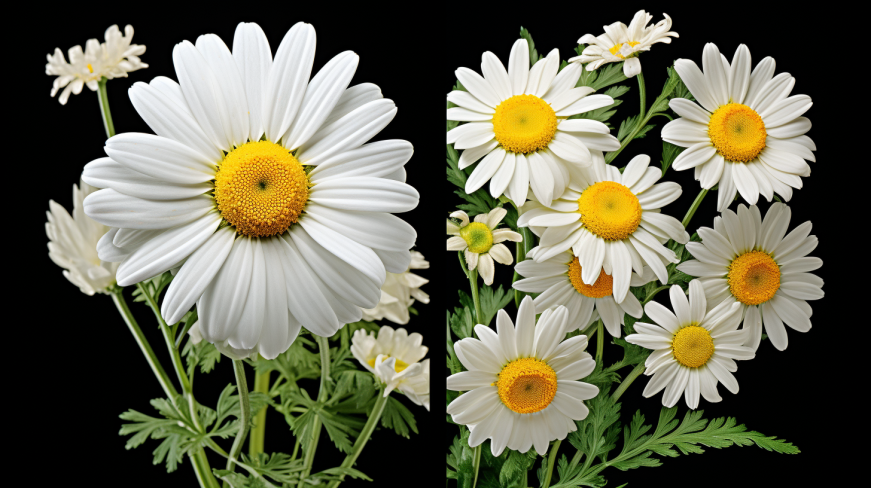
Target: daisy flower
point(517, 124)
point(693, 349)
point(747, 260)
point(260, 186)
point(623, 44)
point(72, 244)
point(481, 241)
point(399, 292)
point(394, 357)
point(558, 279)
point(748, 134)
point(611, 222)
point(111, 59)
point(522, 384)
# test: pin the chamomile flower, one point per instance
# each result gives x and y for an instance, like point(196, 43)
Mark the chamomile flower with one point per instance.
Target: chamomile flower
point(522, 384)
point(481, 241)
point(399, 292)
point(72, 244)
point(558, 280)
point(394, 357)
point(111, 59)
point(260, 186)
point(623, 44)
point(748, 134)
point(747, 260)
point(611, 222)
point(517, 124)
point(694, 348)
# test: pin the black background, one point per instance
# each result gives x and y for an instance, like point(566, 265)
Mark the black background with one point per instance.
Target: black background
point(76, 365)
point(807, 393)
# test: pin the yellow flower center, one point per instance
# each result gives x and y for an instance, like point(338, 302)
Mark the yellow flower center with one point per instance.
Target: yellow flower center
point(526, 385)
point(603, 287)
point(609, 210)
point(692, 346)
point(399, 365)
point(737, 132)
point(753, 277)
point(478, 236)
point(524, 124)
point(616, 49)
point(90, 68)
point(261, 189)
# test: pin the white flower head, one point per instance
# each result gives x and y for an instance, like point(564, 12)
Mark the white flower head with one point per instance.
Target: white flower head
point(113, 58)
point(259, 187)
point(481, 241)
point(399, 292)
point(694, 348)
point(522, 384)
point(72, 244)
point(394, 357)
point(518, 125)
point(747, 261)
point(623, 44)
point(745, 133)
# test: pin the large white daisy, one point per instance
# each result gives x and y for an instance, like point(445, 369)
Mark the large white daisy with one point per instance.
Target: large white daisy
point(522, 384)
point(517, 124)
point(748, 134)
point(558, 280)
point(623, 44)
point(260, 186)
point(693, 349)
point(747, 260)
point(610, 221)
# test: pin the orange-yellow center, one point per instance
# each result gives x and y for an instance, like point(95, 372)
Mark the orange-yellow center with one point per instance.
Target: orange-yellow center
point(603, 287)
point(526, 385)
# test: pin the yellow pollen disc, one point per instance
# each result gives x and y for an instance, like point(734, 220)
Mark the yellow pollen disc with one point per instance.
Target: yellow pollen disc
point(478, 236)
point(399, 365)
point(753, 277)
point(616, 49)
point(692, 346)
point(526, 385)
point(737, 132)
point(609, 210)
point(524, 124)
point(90, 68)
point(261, 189)
point(603, 287)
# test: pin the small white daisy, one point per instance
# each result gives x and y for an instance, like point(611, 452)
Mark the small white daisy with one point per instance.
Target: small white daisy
point(748, 133)
point(111, 59)
point(72, 244)
point(747, 260)
point(481, 241)
point(558, 279)
point(522, 383)
point(693, 349)
point(394, 357)
point(610, 220)
point(517, 124)
point(399, 292)
point(623, 44)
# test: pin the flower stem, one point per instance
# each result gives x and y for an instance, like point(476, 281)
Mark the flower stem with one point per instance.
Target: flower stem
point(374, 417)
point(104, 108)
point(473, 284)
point(635, 373)
point(245, 417)
point(642, 95)
point(476, 464)
point(653, 294)
point(600, 341)
point(694, 207)
point(643, 118)
point(551, 460)
point(309, 453)
point(258, 433)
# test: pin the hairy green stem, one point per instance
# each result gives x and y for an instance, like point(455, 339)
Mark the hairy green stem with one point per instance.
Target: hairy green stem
point(473, 284)
point(258, 432)
point(245, 415)
point(642, 95)
point(365, 434)
point(635, 373)
point(104, 108)
point(309, 453)
point(551, 460)
point(600, 342)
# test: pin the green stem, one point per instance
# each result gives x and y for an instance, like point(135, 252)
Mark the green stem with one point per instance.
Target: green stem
point(694, 207)
point(551, 460)
point(653, 294)
point(309, 453)
point(104, 108)
point(258, 433)
point(473, 284)
point(635, 373)
point(476, 465)
point(600, 342)
point(244, 418)
point(165, 383)
point(642, 95)
point(365, 434)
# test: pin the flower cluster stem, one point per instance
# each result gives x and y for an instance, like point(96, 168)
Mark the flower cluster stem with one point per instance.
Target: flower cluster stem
point(104, 108)
point(258, 432)
point(473, 284)
point(245, 415)
point(551, 460)
point(635, 373)
point(694, 207)
point(309, 453)
point(365, 434)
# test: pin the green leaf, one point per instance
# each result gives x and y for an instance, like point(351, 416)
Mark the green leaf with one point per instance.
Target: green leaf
point(359, 384)
point(606, 75)
point(533, 53)
point(398, 417)
point(670, 152)
point(279, 466)
point(492, 301)
point(340, 471)
point(203, 354)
